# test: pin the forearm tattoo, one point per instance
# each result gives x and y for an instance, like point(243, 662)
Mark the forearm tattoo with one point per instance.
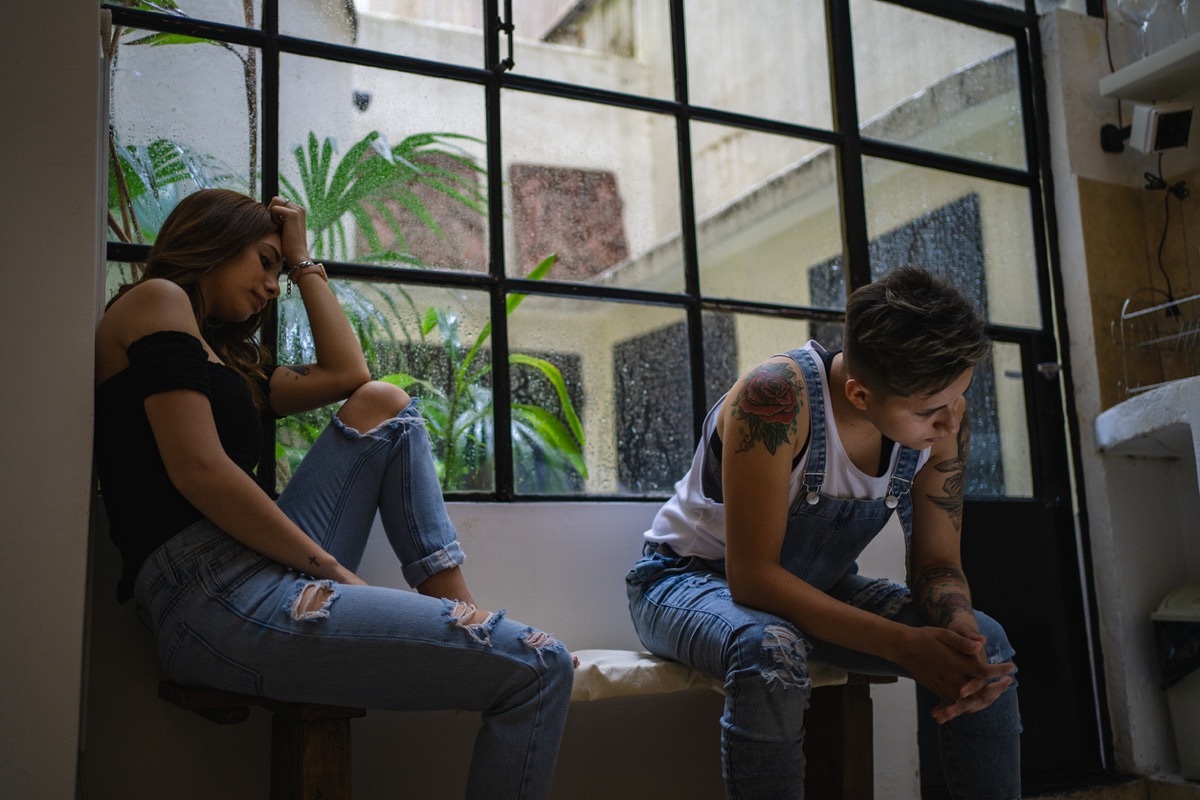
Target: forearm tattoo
point(952, 503)
point(299, 369)
point(767, 404)
point(941, 592)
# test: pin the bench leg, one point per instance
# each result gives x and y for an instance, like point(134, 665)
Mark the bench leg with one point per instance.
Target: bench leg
point(839, 747)
point(310, 759)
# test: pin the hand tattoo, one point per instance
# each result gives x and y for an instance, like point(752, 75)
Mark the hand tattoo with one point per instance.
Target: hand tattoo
point(952, 503)
point(768, 403)
point(941, 592)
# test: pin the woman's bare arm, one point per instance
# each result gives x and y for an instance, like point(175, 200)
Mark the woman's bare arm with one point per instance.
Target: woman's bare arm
point(340, 367)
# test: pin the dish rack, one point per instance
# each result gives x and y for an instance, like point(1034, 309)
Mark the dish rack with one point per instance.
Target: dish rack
point(1170, 329)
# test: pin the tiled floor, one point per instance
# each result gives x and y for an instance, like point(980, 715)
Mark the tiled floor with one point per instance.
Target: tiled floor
point(1140, 789)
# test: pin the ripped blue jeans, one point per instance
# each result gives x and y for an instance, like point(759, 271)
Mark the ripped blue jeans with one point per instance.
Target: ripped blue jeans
point(227, 618)
point(682, 609)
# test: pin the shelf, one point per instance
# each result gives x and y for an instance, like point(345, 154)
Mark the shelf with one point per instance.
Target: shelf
point(1167, 74)
point(1163, 422)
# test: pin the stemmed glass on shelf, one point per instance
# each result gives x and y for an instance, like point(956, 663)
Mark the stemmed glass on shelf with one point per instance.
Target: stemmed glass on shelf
point(1139, 12)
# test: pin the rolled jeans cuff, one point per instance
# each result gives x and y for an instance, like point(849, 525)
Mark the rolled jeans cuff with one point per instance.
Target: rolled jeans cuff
point(446, 558)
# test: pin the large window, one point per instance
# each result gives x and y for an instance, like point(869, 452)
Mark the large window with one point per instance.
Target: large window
point(568, 231)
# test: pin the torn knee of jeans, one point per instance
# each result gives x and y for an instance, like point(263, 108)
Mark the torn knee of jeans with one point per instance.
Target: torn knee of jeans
point(464, 615)
point(542, 643)
point(786, 656)
point(312, 601)
point(883, 596)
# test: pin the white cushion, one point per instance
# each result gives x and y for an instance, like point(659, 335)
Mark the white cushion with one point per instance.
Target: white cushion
point(603, 674)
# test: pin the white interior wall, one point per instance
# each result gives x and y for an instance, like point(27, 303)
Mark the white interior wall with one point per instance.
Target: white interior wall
point(571, 559)
point(1137, 514)
point(50, 69)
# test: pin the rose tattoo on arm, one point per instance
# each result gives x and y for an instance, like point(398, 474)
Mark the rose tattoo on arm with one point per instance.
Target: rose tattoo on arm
point(768, 403)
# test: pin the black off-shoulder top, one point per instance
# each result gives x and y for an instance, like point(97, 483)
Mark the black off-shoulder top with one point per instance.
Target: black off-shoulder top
point(144, 509)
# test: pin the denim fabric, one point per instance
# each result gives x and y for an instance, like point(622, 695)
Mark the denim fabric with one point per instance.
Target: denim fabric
point(682, 609)
point(226, 617)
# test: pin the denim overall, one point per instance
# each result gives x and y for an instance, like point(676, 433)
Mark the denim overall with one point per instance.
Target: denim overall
point(682, 609)
point(228, 618)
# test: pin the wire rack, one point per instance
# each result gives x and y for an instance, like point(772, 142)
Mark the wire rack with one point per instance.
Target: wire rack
point(1152, 326)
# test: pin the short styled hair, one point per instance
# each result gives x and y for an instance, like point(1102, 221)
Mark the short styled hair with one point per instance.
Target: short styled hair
point(911, 334)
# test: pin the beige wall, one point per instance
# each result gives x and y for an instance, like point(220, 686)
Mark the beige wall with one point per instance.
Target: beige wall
point(49, 152)
point(1141, 512)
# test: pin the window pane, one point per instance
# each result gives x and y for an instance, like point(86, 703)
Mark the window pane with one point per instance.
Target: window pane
point(432, 342)
point(760, 57)
point(116, 275)
point(226, 12)
point(999, 463)
point(163, 148)
point(413, 187)
point(622, 47)
point(625, 372)
point(434, 30)
point(956, 92)
point(766, 210)
point(734, 343)
point(975, 232)
point(597, 185)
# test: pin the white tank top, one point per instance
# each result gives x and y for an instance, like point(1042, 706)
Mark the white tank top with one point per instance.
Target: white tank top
point(694, 524)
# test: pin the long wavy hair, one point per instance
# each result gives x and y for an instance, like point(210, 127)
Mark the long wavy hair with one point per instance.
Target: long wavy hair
point(205, 230)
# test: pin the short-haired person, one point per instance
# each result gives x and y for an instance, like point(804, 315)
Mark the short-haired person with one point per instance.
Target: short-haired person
point(749, 570)
point(253, 595)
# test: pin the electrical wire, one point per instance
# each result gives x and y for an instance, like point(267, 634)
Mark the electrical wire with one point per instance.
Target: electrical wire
point(1156, 182)
point(1108, 52)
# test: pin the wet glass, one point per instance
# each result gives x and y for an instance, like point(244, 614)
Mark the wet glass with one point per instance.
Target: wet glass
point(432, 342)
point(937, 85)
point(1042, 6)
point(245, 13)
point(434, 30)
point(999, 461)
point(116, 275)
point(400, 183)
point(620, 47)
point(622, 370)
point(760, 57)
point(161, 147)
point(767, 209)
point(735, 343)
point(598, 186)
point(976, 233)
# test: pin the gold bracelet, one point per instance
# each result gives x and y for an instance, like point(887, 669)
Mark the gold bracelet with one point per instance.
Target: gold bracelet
point(302, 269)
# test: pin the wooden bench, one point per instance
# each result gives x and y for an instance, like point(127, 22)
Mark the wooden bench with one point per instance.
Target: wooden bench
point(310, 743)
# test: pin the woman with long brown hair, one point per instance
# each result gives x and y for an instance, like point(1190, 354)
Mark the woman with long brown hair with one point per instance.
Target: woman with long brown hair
point(258, 595)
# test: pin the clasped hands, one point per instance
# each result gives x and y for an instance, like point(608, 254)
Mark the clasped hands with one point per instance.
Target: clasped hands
point(952, 663)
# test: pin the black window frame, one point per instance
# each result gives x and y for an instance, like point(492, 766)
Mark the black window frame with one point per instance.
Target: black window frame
point(850, 147)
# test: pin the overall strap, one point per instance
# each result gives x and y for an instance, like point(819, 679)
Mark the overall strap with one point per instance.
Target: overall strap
point(900, 489)
point(814, 470)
